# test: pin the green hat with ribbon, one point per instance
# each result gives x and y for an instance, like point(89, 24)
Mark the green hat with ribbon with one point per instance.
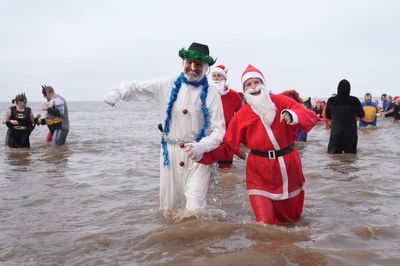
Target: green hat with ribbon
point(199, 52)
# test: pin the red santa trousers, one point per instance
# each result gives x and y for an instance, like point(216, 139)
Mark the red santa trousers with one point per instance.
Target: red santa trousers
point(277, 211)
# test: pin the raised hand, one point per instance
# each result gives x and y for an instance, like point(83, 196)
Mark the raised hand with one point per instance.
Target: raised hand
point(112, 97)
point(285, 116)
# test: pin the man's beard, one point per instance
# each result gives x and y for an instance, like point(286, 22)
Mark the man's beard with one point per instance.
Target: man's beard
point(193, 76)
point(220, 86)
point(261, 104)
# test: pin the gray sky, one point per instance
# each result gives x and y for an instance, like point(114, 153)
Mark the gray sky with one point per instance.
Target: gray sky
point(82, 48)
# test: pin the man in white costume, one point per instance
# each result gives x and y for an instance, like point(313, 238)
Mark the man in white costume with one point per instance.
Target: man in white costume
point(193, 117)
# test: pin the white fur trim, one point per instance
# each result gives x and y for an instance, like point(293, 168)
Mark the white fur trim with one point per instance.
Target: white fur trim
point(294, 116)
point(220, 71)
point(274, 196)
point(224, 92)
point(250, 75)
point(281, 161)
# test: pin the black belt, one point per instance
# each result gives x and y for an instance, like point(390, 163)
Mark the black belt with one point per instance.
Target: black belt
point(272, 154)
point(225, 162)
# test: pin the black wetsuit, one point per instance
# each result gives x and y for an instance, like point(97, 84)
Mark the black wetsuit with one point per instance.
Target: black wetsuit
point(343, 109)
point(18, 136)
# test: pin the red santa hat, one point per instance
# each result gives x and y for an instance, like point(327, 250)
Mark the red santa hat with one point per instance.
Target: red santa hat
point(252, 72)
point(221, 69)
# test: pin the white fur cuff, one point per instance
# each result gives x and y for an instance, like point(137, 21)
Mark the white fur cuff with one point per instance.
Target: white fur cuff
point(294, 116)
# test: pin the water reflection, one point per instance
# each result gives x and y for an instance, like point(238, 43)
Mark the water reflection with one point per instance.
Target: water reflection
point(95, 201)
point(18, 157)
point(344, 165)
point(54, 161)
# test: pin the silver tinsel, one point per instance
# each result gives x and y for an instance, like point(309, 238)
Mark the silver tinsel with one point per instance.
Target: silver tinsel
point(176, 141)
point(214, 183)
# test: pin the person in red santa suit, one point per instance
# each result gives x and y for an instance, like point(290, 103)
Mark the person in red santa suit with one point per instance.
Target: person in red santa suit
point(231, 102)
point(267, 126)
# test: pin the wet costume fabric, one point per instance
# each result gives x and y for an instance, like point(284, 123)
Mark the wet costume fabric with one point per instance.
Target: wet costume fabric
point(18, 136)
point(183, 182)
point(276, 179)
point(343, 111)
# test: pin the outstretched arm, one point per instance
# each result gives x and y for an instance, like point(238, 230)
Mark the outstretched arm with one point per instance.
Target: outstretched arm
point(230, 146)
point(294, 113)
point(136, 91)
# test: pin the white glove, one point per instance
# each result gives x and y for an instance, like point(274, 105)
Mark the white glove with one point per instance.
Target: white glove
point(195, 150)
point(112, 97)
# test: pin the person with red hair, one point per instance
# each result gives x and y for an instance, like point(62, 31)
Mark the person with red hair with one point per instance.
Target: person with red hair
point(301, 134)
point(318, 109)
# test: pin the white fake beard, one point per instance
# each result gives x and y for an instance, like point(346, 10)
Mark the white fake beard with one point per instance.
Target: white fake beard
point(220, 86)
point(261, 104)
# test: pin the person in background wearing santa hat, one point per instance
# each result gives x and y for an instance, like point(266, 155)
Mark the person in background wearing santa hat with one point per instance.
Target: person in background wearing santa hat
point(267, 126)
point(192, 114)
point(231, 102)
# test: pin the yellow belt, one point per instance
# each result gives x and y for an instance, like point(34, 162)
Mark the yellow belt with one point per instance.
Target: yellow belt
point(20, 127)
point(53, 120)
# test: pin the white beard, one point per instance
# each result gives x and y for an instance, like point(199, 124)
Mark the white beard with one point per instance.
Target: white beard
point(262, 104)
point(220, 86)
point(192, 78)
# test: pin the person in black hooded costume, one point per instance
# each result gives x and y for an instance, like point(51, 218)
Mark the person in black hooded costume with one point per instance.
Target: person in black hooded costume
point(343, 111)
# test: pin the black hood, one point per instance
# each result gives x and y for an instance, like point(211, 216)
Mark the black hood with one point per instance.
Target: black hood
point(343, 88)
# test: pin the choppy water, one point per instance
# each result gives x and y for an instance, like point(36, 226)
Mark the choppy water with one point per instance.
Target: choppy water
point(95, 201)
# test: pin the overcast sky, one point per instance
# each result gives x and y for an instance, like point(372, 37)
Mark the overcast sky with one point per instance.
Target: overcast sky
point(82, 48)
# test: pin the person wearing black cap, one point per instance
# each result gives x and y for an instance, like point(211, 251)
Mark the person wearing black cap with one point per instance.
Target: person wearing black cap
point(20, 122)
point(343, 111)
point(193, 115)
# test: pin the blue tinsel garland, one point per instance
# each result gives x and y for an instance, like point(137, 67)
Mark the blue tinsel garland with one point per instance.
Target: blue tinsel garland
point(174, 94)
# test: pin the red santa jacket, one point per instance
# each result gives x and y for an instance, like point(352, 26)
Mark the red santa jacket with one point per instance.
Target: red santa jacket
point(231, 103)
point(279, 178)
